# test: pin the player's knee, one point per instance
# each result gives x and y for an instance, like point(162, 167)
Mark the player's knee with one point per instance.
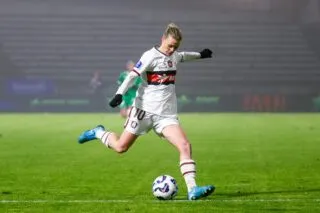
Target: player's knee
point(121, 149)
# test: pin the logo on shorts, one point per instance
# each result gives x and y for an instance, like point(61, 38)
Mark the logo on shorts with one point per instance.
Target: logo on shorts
point(138, 65)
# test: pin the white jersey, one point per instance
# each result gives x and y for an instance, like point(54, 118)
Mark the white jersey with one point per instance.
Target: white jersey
point(158, 71)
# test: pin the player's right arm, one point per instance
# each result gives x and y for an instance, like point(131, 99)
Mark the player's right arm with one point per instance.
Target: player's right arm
point(143, 64)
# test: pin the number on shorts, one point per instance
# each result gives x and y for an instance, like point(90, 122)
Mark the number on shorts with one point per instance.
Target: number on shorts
point(139, 114)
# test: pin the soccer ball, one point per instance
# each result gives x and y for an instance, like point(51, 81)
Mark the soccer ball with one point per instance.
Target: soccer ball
point(164, 187)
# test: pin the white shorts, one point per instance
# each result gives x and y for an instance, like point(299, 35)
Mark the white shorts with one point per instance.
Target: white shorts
point(140, 122)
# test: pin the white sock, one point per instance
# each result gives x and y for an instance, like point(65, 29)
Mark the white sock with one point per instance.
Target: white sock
point(103, 136)
point(188, 171)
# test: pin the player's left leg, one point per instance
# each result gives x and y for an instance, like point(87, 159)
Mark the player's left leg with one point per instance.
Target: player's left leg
point(176, 136)
point(198, 192)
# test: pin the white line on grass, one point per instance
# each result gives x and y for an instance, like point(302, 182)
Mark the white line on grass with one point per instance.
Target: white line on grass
point(65, 201)
point(128, 201)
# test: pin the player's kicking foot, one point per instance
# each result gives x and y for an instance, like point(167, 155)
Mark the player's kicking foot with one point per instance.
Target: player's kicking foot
point(198, 192)
point(90, 134)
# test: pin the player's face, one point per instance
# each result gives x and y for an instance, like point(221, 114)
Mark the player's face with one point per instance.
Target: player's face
point(130, 66)
point(169, 45)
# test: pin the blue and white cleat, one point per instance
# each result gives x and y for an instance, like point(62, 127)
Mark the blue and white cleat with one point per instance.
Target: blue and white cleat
point(90, 134)
point(198, 192)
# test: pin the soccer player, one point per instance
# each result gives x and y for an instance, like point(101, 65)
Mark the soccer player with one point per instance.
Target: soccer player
point(129, 96)
point(155, 106)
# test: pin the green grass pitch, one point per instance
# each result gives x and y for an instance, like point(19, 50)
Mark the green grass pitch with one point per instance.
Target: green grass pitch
point(258, 163)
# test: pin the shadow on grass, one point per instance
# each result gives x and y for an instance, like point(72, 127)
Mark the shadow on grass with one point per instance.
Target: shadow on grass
point(244, 194)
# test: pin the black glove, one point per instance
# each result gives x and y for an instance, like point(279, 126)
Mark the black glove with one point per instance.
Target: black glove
point(116, 100)
point(206, 53)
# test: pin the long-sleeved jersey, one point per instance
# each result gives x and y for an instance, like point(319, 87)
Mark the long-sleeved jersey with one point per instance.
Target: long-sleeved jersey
point(156, 93)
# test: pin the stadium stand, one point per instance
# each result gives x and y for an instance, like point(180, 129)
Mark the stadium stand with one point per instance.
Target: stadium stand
point(70, 47)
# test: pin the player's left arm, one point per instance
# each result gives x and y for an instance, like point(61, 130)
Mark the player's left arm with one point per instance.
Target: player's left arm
point(188, 56)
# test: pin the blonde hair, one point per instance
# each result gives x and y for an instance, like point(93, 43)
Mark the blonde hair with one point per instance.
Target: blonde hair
point(174, 31)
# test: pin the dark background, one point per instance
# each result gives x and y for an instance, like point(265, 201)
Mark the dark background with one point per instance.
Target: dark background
point(267, 52)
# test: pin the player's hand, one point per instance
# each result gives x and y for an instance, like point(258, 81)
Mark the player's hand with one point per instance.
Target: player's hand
point(206, 53)
point(116, 100)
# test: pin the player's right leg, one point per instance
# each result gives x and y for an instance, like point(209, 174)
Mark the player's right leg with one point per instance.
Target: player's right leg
point(90, 134)
point(109, 139)
point(137, 123)
point(121, 144)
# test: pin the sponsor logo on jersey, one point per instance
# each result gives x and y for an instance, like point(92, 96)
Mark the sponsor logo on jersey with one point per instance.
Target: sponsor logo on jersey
point(165, 65)
point(161, 77)
point(138, 65)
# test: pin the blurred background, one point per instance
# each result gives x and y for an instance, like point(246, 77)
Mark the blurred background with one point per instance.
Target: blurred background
point(66, 55)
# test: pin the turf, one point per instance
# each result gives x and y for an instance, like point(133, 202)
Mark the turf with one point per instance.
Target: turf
point(258, 163)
